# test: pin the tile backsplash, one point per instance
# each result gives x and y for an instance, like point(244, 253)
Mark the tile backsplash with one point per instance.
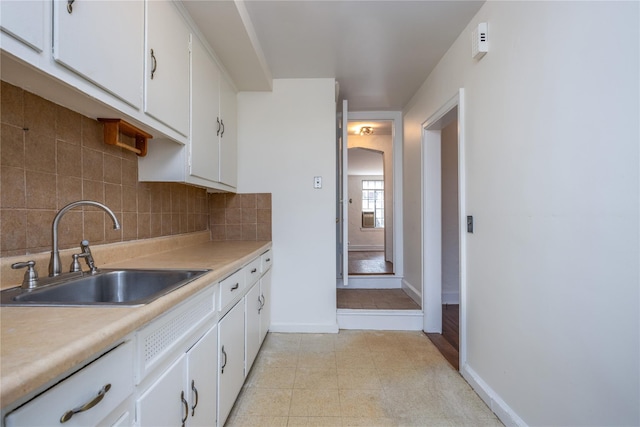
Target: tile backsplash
point(51, 156)
point(240, 216)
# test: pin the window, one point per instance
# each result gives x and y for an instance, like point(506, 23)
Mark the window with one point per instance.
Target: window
point(373, 203)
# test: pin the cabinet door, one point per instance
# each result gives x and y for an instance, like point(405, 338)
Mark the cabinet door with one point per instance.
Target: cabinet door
point(265, 313)
point(252, 325)
point(228, 140)
point(230, 360)
point(24, 20)
point(202, 375)
point(164, 403)
point(205, 115)
point(103, 42)
point(167, 66)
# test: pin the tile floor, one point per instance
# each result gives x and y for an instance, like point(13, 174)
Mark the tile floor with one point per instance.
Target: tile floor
point(356, 378)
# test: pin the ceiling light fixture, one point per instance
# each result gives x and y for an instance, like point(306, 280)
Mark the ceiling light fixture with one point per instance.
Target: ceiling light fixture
point(366, 130)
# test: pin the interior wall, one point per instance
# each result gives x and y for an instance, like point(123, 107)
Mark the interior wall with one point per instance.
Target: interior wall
point(552, 130)
point(362, 239)
point(450, 221)
point(285, 138)
point(382, 143)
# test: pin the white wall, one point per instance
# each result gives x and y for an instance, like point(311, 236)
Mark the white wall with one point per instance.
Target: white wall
point(287, 137)
point(552, 131)
point(450, 243)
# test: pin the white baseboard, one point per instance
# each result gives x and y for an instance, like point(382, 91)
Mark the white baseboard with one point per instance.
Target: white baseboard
point(366, 248)
point(304, 328)
point(451, 297)
point(372, 282)
point(382, 320)
point(412, 292)
point(508, 417)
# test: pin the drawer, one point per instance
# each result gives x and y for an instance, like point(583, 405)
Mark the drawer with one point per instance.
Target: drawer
point(231, 288)
point(112, 372)
point(252, 272)
point(266, 259)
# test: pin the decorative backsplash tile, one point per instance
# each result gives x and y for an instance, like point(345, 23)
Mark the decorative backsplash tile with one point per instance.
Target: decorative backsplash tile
point(51, 156)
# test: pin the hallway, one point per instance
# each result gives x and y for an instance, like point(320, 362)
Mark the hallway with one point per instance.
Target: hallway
point(356, 378)
point(368, 262)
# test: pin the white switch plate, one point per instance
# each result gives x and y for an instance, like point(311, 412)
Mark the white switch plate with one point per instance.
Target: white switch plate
point(317, 182)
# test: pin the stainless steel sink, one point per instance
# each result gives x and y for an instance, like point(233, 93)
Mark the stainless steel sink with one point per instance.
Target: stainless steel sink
point(107, 287)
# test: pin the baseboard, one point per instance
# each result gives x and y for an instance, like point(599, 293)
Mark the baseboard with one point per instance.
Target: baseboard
point(371, 282)
point(382, 320)
point(304, 328)
point(491, 398)
point(366, 248)
point(413, 293)
point(451, 298)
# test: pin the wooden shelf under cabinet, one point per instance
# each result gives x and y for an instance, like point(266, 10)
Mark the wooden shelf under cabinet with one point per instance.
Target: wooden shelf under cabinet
point(114, 127)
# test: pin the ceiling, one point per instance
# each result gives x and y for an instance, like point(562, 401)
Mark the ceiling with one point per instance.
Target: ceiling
point(363, 161)
point(380, 52)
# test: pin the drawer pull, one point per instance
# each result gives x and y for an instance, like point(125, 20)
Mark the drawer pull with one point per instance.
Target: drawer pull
point(186, 408)
point(268, 260)
point(93, 402)
point(224, 353)
point(254, 270)
point(234, 287)
point(195, 391)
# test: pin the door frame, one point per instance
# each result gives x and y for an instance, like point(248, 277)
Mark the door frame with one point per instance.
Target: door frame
point(432, 221)
point(396, 118)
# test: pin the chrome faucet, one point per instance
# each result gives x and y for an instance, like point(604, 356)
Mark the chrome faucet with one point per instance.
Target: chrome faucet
point(55, 266)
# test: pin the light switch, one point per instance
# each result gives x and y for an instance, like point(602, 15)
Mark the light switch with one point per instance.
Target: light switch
point(317, 182)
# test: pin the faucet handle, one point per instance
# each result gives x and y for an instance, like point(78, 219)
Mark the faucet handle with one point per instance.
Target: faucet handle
point(75, 264)
point(30, 276)
point(86, 254)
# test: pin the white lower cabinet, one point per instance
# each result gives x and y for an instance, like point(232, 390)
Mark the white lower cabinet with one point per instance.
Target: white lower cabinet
point(230, 360)
point(185, 393)
point(184, 368)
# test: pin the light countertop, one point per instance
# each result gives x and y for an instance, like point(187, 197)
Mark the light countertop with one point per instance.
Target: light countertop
point(40, 344)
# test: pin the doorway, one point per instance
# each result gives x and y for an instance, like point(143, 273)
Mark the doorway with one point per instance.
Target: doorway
point(444, 225)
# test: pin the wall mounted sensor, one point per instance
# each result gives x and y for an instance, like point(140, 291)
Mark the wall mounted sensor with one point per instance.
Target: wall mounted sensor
point(479, 41)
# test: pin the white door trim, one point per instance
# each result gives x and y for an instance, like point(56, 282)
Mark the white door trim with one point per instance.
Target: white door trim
point(432, 222)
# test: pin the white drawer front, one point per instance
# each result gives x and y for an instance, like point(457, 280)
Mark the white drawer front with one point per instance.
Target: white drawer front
point(232, 288)
point(114, 371)
point(252, 272)
point(266, 260)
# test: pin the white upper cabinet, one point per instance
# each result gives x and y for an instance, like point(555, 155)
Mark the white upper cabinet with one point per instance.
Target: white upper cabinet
point(167, 60)
point(228, 135)
point(205, 115)
point(103, 42)
point(24, 20)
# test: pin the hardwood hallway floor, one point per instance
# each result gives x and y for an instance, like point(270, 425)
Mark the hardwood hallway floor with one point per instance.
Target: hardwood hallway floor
point(448, 343)
point(368, 262)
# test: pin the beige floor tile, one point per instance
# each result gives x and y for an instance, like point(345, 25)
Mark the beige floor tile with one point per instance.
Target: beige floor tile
point(362, 403)
point(282, 342)
point(315, 421)
point(256, 421)
point(317, 342)
point(403, 378)
point(315, 403)
point(316, 378)
point(263, 402)
point(394, 358)
point(367, 422)
point(359, 379)
point(317, 359)
point(277, 359)
point(354, 359)
point(271, 377)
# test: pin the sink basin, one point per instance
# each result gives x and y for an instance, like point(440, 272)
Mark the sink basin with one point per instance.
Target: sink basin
point(107, 287)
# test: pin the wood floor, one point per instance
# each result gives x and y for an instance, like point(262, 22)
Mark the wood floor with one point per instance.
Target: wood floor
point(375, 299)
point(449, 341)
point(368, 262)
